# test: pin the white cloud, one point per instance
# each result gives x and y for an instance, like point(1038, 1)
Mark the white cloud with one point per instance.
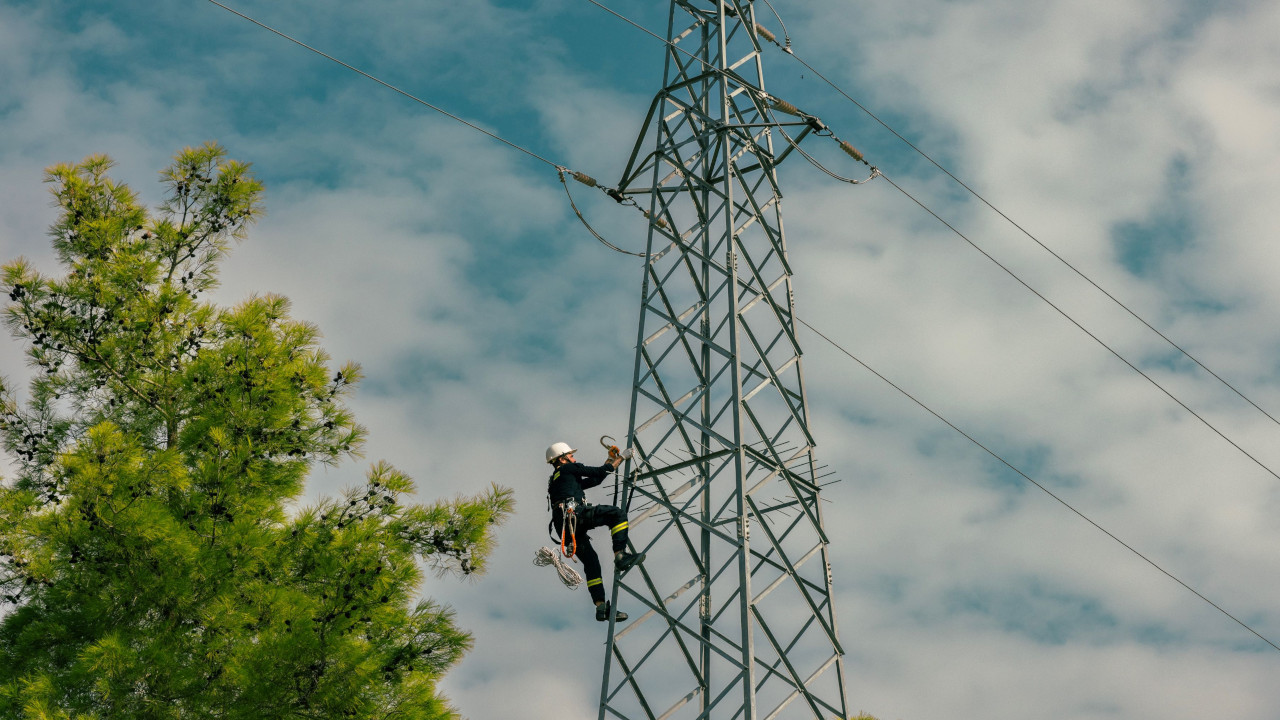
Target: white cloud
point(491, 323)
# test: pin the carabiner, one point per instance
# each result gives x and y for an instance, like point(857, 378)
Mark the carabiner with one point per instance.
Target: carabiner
point(613, 449)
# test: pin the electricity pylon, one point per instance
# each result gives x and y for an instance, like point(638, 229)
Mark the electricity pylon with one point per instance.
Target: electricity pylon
point(731, 614)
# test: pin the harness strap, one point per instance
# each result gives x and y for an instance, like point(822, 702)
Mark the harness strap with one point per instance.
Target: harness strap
point(568, 521)
point(554, 476)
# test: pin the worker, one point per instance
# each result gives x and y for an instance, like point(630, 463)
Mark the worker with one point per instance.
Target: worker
point(570, 513)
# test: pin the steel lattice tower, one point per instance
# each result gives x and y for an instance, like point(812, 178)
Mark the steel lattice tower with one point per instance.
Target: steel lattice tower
point(732, 612)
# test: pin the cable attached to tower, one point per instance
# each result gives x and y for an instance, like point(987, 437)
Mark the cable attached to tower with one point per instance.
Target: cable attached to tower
point(786, 47)
point(662, 224)
point(591, 182)
point(819, 128)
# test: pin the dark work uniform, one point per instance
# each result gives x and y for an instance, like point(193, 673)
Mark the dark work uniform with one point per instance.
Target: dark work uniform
point(568, 483)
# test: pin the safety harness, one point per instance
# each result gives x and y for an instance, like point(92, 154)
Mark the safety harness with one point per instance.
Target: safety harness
point(568, 531)
point(568, 541)
point(567, 538)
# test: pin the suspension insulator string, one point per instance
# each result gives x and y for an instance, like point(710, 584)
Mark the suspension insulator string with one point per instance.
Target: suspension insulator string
point(585, 179)
point(845, 146)
point(656, 221)
point(819, 128)
point(785, 107)
point(851, 151)
point(815, 125)
point(787, 35)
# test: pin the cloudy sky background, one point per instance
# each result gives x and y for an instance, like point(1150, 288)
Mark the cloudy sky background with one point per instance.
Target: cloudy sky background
point(1137, 138)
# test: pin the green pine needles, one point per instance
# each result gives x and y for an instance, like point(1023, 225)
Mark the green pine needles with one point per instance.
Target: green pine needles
point(153, 562)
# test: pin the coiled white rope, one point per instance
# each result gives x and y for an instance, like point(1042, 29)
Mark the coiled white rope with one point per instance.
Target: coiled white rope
point(568, 574)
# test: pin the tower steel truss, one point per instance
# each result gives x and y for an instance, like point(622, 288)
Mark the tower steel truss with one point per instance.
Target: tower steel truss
point(731, 614)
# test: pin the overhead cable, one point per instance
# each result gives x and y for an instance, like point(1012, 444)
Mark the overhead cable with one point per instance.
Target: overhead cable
point(388, 85)
point(773, 102)
point(788, 49)
point(787, 107)
point(849, 149)
point(1031, 480)
point(587, 180)
point(561, 169)
point(591, 182)
point(769, 36)
point(1082, 328)
point(786, 35)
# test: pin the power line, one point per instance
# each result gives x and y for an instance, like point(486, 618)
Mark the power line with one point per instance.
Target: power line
point(1028, 478)
point(1135, 368)
point(1023, 230)
point(1082, 328)
point(1031, 480)
point(389, 86)
point(561, 169)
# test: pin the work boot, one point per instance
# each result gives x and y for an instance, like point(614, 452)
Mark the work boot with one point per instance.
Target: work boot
point(602, 613)
point(626, 561)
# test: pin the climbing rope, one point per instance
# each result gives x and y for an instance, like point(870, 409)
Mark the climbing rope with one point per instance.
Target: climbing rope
point(569, 575)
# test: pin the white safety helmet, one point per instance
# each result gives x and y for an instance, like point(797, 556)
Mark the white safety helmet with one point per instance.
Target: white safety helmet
point(558, 450)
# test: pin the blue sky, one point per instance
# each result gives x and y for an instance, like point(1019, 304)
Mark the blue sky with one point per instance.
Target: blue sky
point(1137, 138)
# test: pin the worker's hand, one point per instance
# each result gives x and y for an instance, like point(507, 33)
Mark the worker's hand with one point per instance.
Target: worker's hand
point(616, 458)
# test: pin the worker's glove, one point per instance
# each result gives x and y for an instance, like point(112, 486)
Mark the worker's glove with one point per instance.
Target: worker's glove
point(627, 454)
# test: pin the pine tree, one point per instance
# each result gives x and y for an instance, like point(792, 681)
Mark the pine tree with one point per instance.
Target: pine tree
point(154, 559)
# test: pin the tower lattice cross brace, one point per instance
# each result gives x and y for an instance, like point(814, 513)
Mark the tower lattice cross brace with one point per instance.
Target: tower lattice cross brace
point(732, 612)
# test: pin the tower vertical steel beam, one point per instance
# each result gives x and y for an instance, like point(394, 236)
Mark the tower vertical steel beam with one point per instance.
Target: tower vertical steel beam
point(732, 613)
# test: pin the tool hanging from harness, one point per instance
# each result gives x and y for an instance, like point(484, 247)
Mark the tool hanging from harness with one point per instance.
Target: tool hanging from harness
point(568, 527)
point(567, 512)
point(544, 556)
point(568, 523)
